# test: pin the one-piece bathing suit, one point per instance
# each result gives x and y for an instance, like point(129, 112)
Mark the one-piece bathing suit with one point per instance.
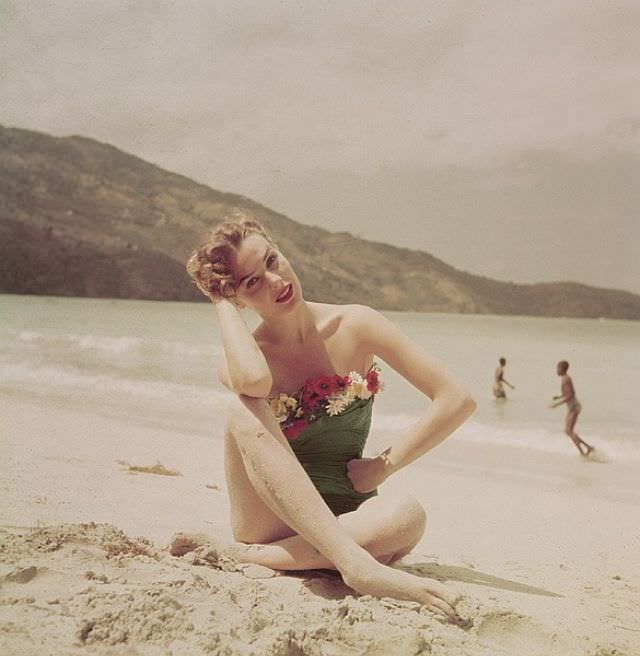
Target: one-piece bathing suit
point(325, 446)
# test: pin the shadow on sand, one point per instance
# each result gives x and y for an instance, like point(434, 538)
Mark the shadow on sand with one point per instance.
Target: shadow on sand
point(328, 583)
point(467, 575)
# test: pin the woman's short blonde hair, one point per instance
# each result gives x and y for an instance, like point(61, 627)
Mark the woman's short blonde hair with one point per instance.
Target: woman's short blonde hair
point(211, 264)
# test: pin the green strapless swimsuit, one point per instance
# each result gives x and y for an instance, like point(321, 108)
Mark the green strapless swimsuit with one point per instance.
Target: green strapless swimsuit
point(325, 446)
point(327, 423)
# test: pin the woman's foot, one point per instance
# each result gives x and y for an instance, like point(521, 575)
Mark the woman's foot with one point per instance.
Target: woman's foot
point(370, 578)
point(205, 550)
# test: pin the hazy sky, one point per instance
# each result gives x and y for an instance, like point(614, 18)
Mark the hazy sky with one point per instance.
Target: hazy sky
point(501, 136)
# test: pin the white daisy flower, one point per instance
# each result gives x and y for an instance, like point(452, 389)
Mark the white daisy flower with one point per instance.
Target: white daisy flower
point(355, 377)
point(336, 405)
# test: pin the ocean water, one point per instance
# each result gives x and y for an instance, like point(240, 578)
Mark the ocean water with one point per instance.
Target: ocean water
point(155, 362)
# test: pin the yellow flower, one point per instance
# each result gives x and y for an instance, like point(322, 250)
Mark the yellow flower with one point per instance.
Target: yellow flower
point(279, 408)
point(358, 387)
point(290, 402)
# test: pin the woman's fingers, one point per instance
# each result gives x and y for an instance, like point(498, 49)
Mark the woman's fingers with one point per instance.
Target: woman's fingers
point(439, 605)
point(448, 612)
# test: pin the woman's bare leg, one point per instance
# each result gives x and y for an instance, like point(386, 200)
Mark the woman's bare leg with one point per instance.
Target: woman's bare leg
point(252, 520)
point(278, 484)
point(388, 527)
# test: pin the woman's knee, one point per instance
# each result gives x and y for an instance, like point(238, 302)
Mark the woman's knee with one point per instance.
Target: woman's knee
point(403, 521)
point(409, 516)
point(415, 514)
point(244, 532)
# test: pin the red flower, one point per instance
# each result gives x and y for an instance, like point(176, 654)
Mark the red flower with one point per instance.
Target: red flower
point(293, 431)
point(373, 381)
point(341, 382)
point(324, 386)
point(309, 396)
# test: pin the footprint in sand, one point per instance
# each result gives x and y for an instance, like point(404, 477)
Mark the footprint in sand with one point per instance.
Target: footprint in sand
point(516, 634)
point(24, 575)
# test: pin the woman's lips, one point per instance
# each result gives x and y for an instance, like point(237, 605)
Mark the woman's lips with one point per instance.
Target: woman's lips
point(285, 295)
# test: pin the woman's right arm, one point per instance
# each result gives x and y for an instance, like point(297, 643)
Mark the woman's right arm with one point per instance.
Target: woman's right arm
point(243, 368)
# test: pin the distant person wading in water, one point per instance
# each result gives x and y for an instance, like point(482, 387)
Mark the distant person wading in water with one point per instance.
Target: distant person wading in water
point(499, 381)
point(568, 396)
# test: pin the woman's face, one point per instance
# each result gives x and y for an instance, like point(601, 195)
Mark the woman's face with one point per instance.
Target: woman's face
point(264, 279)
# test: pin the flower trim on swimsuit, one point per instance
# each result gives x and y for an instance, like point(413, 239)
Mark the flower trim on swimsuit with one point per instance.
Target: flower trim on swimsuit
point(322, 396)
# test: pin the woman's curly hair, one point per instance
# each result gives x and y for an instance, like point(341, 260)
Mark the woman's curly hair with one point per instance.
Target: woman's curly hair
point(211, 264)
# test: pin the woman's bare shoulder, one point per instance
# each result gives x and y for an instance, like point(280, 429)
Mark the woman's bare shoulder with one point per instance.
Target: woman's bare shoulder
point(333, 315)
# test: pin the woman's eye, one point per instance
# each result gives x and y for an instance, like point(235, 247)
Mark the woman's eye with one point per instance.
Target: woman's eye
point(251, 282)
point(271, 260)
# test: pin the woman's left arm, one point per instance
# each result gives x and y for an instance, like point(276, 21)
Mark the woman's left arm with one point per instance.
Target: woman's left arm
point(452, 404)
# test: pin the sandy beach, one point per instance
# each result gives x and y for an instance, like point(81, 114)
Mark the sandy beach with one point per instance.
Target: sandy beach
point(544, 548)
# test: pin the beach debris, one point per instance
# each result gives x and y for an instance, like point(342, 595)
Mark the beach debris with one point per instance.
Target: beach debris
point(158, 469)
point(213, 486)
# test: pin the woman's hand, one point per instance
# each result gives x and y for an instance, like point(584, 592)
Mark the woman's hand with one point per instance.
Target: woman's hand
point(366, 474)
point(218, 300)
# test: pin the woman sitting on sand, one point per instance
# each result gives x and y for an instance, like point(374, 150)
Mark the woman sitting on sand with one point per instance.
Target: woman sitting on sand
point(301, 494)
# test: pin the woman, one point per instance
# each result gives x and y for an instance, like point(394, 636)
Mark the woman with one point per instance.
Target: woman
point(301, 495)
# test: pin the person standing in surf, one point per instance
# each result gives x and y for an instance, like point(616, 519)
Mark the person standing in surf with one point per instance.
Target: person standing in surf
point(568, 395)
point(499, 381)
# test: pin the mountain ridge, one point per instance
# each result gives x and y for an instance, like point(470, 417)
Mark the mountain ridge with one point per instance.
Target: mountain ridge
point(82, 218)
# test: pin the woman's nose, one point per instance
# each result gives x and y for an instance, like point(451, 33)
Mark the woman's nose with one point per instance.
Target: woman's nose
point(274, 278)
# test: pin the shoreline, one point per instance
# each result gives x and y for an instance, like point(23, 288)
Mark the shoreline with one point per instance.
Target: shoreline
point(390, 310)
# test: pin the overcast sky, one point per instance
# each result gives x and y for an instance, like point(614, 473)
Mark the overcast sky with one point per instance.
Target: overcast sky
point(501, 136)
